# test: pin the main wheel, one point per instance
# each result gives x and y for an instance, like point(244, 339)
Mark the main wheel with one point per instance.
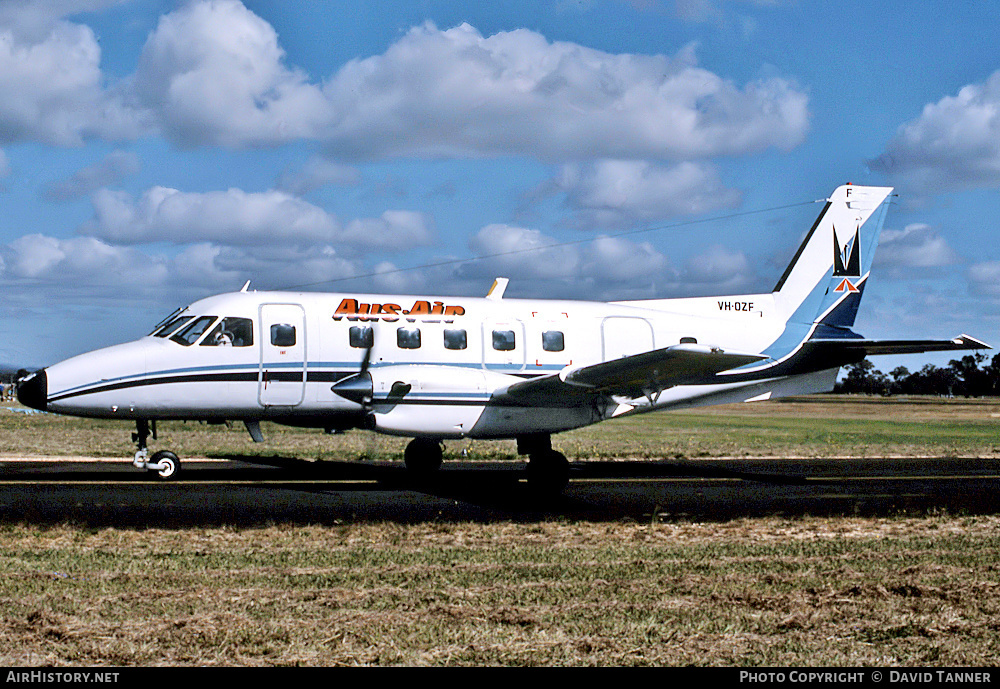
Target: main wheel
point(168, 461)
point(548, 472)
point(423, 456)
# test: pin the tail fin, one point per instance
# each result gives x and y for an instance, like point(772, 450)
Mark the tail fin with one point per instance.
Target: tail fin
point(819, 294)
point(823, 285)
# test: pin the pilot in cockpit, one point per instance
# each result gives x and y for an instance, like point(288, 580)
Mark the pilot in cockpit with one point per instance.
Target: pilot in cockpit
point(231, 332)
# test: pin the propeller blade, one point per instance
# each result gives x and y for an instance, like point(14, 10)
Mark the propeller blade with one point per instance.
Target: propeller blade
point(366, 360)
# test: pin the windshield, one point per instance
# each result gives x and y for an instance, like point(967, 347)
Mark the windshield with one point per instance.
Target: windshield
point(172, 318)
point(171, 326)
point(190, 334)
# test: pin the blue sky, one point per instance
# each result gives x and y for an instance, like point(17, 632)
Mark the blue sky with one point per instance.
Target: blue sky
point(155, 152)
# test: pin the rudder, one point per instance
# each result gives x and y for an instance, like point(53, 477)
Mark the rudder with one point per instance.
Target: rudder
point(825, 280)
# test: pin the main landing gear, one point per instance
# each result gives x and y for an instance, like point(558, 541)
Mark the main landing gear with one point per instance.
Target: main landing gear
point(423, 457)
point(547, 470)
point(164, 464)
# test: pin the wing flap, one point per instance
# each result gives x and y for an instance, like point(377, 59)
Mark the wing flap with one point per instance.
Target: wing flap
point(631, 376)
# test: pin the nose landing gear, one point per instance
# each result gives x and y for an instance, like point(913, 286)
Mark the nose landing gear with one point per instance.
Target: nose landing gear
point(164, 463)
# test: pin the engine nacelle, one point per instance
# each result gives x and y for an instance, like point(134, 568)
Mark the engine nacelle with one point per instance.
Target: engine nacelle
point(423, 400)
point(439, 401)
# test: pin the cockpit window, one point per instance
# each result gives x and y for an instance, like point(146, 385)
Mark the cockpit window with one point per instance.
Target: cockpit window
point(171, 326)
point(230, 332)
point(172, 318)
point(190, 334)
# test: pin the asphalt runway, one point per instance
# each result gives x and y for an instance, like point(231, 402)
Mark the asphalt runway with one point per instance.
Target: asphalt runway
point(215, 492)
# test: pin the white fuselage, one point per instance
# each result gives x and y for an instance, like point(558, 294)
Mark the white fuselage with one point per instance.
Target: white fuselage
point(453, 353)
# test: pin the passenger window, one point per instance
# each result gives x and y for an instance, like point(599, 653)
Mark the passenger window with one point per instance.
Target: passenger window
point(361, 337)
point(408, 338)
point(189, 335)
point(283, 335)
point(455, 339)
point(230, 332)
point(552, 341)
point(503, 340)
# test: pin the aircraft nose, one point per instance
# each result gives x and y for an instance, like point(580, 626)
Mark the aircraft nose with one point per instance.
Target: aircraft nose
point(33, 390)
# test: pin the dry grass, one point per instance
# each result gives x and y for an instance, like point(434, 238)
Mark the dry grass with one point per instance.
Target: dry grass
point(769, 592)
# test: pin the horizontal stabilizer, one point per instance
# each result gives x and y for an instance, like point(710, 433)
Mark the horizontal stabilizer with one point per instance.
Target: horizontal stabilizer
point(842, 352)
point(630, 376)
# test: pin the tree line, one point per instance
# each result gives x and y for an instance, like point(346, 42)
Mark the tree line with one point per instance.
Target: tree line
point(969, 376)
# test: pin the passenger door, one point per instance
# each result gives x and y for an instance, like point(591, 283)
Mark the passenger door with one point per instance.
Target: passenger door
point(503, 345)
point(623, 336)
point(281, 380)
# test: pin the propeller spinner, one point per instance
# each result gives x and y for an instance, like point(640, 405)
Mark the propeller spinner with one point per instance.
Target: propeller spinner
point(359, 388)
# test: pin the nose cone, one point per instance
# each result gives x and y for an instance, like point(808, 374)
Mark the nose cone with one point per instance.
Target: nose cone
point(33, 390)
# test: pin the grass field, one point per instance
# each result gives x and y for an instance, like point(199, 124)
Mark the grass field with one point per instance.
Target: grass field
point(811, 426)
point(770, 592)
point(846, 591)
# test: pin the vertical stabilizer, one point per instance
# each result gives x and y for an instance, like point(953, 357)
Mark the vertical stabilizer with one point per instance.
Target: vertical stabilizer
point(825, 280)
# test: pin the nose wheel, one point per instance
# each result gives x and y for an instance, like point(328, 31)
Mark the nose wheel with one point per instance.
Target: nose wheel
point(164, 464)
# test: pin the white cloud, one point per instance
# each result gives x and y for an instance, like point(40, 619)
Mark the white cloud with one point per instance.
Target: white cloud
point(80, 261)
point(214, 74)
point(916, 246)
point(617, 260)
point(229, 217)
point(113, 168)
point(602, 268)
point(984, 278)
point(719, 269)
point(33, 21)
point(393, 231)
point(239, 218)
point(287, 267)
point(458, 93)
point(51, 85)
point(389, 278)
point(82, 269)
point(622, 192)
point(954, 144)
point(519, 252)
point(316, 173)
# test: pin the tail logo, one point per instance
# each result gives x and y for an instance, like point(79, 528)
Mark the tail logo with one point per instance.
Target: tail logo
point(847, 260)
point(846, 286)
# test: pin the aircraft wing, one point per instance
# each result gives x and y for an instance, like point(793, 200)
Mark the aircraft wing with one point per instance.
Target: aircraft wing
point(630, 376)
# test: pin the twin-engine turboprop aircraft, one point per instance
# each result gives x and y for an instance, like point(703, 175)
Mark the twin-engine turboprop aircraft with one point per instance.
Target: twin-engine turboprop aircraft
point(438, 368)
